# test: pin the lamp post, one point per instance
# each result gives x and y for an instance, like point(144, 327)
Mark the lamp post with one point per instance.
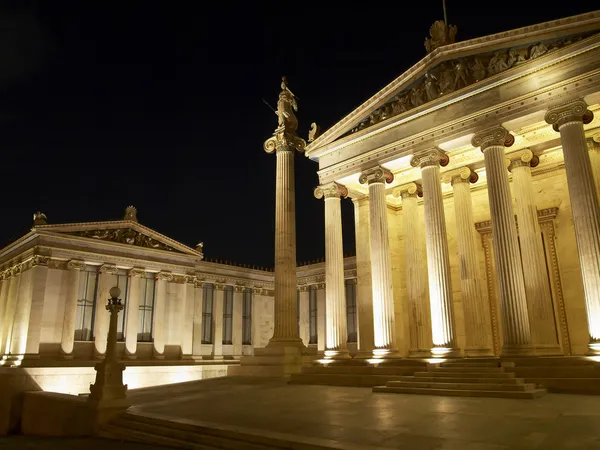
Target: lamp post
point(108, 393)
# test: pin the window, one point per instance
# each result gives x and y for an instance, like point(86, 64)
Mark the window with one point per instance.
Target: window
point(146, 308)
point(86, 304)
point(247, 317)
point(227, 315)
point(312, 315)
point(351, 310)
point(207, 313)
point(122, 282)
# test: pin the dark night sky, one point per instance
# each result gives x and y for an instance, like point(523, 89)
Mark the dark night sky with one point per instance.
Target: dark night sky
point(158, 104)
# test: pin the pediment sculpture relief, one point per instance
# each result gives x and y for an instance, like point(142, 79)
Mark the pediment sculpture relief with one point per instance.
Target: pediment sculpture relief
point(125, 236)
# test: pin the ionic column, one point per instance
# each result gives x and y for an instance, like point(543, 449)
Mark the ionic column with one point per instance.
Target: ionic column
point(304, 314)
point(321, 319)
point(337, 335)
point(158, 325)
point(438, 262)
point(476, 312)
point(187, 322)
point(106, 280)
point(132, 312)
point(537, 284)
point(513, 301)
point(416, 277)
point(11, 304)
point(569, 119)
point(364, 289)
point(197, 320)
point(381, 265)
point(593, 143)
point(218, 300)
point(5, 276)
point(236, 321)
point(68, 330)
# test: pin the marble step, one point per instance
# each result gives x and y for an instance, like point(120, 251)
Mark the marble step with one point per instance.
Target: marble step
point(462, 393)
point(473, 374)
point(345, 370)
point(342, 379)
point(462, 379)
point(558, 371)
point(471, 364)
point(121, 433)
point(467, 369)
point(553, 361)
point(489, 386)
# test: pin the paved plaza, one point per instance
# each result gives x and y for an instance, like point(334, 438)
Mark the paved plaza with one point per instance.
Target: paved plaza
point(358, 416)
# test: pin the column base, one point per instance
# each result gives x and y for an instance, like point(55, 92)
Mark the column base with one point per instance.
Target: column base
point(445, 352)
point(66, 356)
point(364, 354)
point(479, 352)
point(127, 356)
point(274, 361)
point(516, 351)
point(594, 349)
point(158, 356)
point(419, 353)
point(386, 353)
point(337, 354)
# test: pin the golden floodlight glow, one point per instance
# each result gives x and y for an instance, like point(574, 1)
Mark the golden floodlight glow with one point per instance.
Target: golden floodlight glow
point(373, 361)
point(325, 361)
point(594, 358)
point(440, 352)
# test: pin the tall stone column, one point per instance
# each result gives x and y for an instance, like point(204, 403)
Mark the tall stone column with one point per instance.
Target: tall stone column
point(106, 280)
point(321, 319)
point(31, 329)
point(381, 265)
point(364, 288)
point(187, 322)
point(509, 269)
point(438, 262)
point(283, 143)
point(416, 278)
point(68, 330)
point(593, 143)
point(5, 276)
point(197, 320)
point(305, 314)
point(236, 332)
point(569, 119)
point(11, 304)
point(476, 312)
point(218, 300)
point(132, 312)
point(336, 326)
point(537, 284)
point(160, 301)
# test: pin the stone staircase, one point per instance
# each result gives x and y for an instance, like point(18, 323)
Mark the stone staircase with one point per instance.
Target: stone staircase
point(464, 378)
point(159, 432)
point(357, 372)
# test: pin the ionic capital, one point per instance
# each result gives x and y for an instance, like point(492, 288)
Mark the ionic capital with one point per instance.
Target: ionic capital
point(189, 279)
point(109, 269)
point(462, 175)
point(574, 111)
point(493, 137)
point(320, 286)
point(376, 175)
point(39, 260)
point(408, 190)
point(219, 286)
point(330, 190)
point(522, 158)
point(76, 264)
point(433, 157)
point(164, 276)
point(304, 288)
point(238, 288)
point(137, 272)
point(593, 142)
point(283, 141)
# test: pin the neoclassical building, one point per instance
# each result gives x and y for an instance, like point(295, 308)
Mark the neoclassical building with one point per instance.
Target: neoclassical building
point(475, 178)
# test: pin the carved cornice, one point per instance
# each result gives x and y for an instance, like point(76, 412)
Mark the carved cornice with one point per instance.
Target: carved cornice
point(75, 264)
point(496, 136)
point(377, 174)
point(110, 269)
point(164, 276)
point(574, 111)
point(408, 190)
point(522, 158)
point(331, 190)
point(137, 272)
point(462, 175)
point(428, 158)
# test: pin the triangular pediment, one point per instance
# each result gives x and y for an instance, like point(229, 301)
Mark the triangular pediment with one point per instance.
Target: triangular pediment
point(127, 232)
point(452, 68)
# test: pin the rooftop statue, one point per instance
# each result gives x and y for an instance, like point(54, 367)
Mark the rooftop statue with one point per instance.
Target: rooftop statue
point(286, 105)
point(441, 34)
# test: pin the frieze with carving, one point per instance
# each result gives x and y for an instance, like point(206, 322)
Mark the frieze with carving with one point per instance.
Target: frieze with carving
point(125, 236)
point(453, 75)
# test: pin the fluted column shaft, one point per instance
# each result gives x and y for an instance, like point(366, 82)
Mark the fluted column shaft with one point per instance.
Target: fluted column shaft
point(513, 301)
point(132, 312)
point(438, 260)
point(68, 329)
point(381, 265)
point(106, 280)
point(477, 318)
point(416, 282)
point(11, 304)
point(158, 327)
point(537, 284)
point(335, 297)
point(285, 320)
point(569, 120)
point(305, 315)
point(594, 153)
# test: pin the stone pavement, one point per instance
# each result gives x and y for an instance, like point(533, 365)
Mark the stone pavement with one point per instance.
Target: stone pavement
point(39, 443)
point(359, 416)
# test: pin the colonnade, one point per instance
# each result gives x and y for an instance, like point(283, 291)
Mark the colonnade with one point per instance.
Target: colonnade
point(528, 325)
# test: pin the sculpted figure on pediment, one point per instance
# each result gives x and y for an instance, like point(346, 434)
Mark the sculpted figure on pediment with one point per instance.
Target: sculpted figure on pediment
point(516, 56)
point(537, 50)
point(446, 76)
point(498, 63)
point(431, 89)
point(478, 70)
point(416, 96)
point(401, 104)
point(461, 74)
